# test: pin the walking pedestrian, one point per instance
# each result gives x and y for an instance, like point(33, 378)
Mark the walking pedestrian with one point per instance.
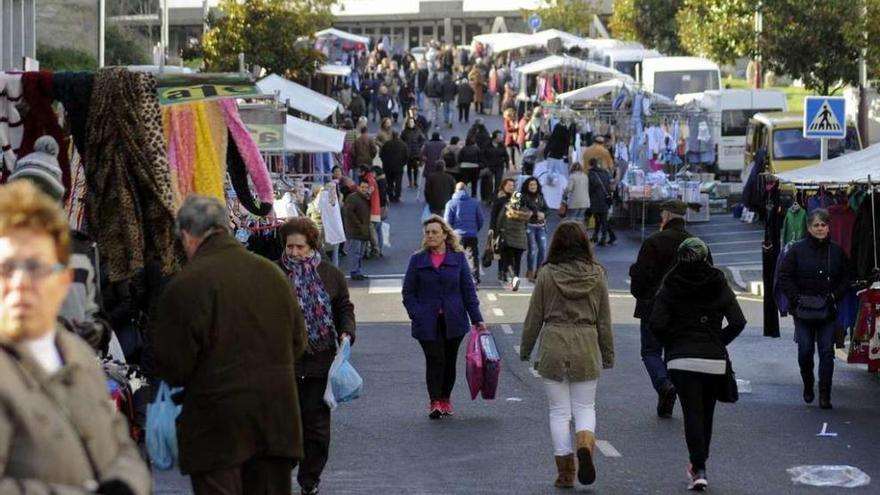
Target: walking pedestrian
point(233, 349)
point(357, 107)
point(414, 139)
point(442, 303)
point(432, 150)
point(450, 92)
point(421, 79)
point(686, 319)
point(356, 219)
point(577, 193)
point(511, 226)
point(434, 92)
point(364, 149)
point(814, 276)
point(475, 77)
point(479, 133)
point(321, 290)
point(53, 389)
point(439, 187)
point(571, 314)
point(600, 203)
point(450, 154)
point(656, 257)
point(497, 161)
point(599, 152)
point(366, 174)
point(511, 132)
point(533, 199)
point(465, 99)
point(384, 134)
point(394, 155)
point(470, 161)
point(464, 214)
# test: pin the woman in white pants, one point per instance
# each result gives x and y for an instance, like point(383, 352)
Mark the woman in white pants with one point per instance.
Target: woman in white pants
point(569, 321)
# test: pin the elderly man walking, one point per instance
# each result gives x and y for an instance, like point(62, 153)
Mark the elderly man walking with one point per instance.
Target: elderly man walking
point(228, 329)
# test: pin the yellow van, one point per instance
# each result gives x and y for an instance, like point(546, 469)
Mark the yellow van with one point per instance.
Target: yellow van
point(781, 134)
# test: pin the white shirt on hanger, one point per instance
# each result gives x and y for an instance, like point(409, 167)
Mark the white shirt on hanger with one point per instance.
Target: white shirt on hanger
point(331, 217)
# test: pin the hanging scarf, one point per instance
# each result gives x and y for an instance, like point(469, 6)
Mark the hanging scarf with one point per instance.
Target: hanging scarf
point(207, 179)
point(248, 151)
point(313, 300)
point(236, 167)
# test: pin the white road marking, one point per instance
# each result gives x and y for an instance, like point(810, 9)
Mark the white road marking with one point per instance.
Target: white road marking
point(727, 243)
point(733, 253)
point(607, 449)
point(491, 297)
point(513, 399)
point(379, 286)
point(497, 312)
point(507, 329)
point(387, 275)
point(516, 348)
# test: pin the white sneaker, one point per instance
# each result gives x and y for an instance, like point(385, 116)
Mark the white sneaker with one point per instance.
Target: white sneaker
point(514, 284)
point(698, 481)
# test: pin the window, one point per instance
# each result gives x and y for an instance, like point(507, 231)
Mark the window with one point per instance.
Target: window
point(628, 68)
point(790, 144)
point(681, 82)
point(734, 122)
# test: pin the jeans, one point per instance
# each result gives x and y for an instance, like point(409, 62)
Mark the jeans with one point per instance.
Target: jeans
point(652, 356)
point(356, 254)
point(436, 109)
point(577, 214)
point(333, 255)
point(316, 430)
point(441, 356)
point(697, 392)
point(537, 235)
point(812, 334)
point(471, 247)
point(566, 400)
point(377, 227)
point(447, 111)
point(420, 98)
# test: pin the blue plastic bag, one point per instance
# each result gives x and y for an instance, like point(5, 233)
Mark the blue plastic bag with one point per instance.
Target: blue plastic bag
point(161, 435)
point(345, 382)
point(426, 213)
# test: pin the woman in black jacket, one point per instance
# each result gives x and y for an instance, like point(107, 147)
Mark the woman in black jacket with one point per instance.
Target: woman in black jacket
point(537, 226)
point(814, 276)
point(600, 203)
point(414, 139)
point(470, 161)
point(687, 319)
point(318, 286)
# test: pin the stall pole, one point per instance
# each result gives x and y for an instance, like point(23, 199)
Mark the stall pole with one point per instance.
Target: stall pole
point(873, 221)
point(823, 150)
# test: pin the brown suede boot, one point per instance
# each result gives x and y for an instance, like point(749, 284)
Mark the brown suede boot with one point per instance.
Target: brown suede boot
point(586, 446)
point(565, 468)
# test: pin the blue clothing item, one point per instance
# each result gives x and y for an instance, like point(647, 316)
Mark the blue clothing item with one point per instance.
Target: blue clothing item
point(652, 356)
point(537, 235)
point(812, 334)
point(427, 291)
point(356, 253)
point(379, 237)
point(819, 201)
point(464, 214)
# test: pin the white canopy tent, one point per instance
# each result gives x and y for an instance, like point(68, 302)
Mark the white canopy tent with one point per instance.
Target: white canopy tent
point(569, 40)
point(591, 92)
point(302, 136)
point(501, 42)
point(337, 33)
point(335, 70)
point(851, 167)
point(564, 62)
point(301, 98)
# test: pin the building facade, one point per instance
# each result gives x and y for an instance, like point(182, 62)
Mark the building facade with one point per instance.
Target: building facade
point(17, 32)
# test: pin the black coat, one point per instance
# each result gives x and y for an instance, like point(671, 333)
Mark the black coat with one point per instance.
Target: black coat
point(600, 187)
point(863, 238)
point(465, 93)
point(480, 135)
point(439, 187)
point(805, 270)
point(394, 154)
point(656, 256)
point(470, 154)
point(450, 90)
point(414, 139)
point(689, 312)
point(496, 157)
point(497, 206)
point(536, 204)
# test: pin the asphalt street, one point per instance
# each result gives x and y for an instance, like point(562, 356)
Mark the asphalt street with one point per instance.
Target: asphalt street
point(385, 443)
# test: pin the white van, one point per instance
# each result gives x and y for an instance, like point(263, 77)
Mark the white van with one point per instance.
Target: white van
point(597, 45)
point(627, 60)
point(731, 110)
point(670, 76)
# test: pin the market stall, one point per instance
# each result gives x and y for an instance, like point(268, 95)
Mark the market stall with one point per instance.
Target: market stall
point(300, 98)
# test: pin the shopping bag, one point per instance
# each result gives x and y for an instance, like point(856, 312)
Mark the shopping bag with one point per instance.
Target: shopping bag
point(426, 213)
point(491, 365)
point(386, 234)
point(344, 380)
point(488, 257)
point(474, 363)
point(162, 430)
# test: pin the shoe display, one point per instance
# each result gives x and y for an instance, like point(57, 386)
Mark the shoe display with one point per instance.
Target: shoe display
point(435, 410)
point(698, 481)
point(666, 400)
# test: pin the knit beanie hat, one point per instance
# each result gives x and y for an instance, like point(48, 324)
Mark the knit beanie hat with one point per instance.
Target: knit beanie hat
point(692, 250)
point(42, 167)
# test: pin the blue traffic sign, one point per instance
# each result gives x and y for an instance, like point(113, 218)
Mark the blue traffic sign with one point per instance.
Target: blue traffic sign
point(824, 117)
point(535, 22)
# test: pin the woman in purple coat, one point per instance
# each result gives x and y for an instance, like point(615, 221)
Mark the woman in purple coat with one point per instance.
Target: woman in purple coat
point(442, 303)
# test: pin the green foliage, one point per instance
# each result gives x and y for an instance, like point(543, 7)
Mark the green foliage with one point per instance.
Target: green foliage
point(65, 59)
point(721, 30)
point(572, 16)
point(806, 39)
point(125, 47)
point(266, 31)
point(650, 22)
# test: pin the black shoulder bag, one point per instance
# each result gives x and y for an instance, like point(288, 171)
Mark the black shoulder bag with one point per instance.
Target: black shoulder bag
point(816, 308)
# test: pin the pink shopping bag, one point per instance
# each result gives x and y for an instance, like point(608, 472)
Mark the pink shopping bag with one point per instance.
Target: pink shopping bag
point(474, 363)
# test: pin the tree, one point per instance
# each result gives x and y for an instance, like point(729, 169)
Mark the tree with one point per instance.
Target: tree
point(856, 29)
point(572, 16)
point(721, 30)
point(271, 33)
point(807, 39)
point(650, 22)
point(125, 47)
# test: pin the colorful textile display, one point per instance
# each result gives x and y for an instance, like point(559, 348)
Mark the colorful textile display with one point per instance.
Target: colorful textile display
point(11, 129)
point(41, 120)
point(248, 151)
point(207, 179)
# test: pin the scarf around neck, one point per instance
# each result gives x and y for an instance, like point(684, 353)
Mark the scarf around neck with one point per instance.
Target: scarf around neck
point(313, 300)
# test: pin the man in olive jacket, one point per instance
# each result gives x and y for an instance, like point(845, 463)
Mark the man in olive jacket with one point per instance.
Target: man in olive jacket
point(356, 220)
point(228, 329)
point(656, 257)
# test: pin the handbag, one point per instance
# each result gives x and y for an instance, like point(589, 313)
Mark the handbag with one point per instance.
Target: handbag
point(815, 307)
point(563, 210)
point(488, 256)
point(729, 392)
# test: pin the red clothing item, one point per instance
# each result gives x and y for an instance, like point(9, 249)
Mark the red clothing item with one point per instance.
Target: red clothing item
point(437, 259)
point(843, 218)
point(375, 203)
point(510, 132)
point(521, 131)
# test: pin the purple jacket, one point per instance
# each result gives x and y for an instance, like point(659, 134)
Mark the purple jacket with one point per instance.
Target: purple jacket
point(427, 290)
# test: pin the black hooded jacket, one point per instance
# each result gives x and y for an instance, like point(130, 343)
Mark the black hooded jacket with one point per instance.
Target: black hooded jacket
point(689, 311)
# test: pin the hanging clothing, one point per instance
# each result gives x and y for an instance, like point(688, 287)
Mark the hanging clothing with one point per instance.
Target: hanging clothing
point(820, 200)
point(864, 241)
point(331, 216)
point(843, 219)
point(41, 120)
point(11, 129)
point(794, 227)
point(560, 138)
point(770, 250)
point(74, 91)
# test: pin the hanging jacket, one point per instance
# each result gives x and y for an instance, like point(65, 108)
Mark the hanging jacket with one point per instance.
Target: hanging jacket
point(794, 227)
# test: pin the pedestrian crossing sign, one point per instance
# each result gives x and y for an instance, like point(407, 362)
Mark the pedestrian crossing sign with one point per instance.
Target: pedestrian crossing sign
point(824, 117)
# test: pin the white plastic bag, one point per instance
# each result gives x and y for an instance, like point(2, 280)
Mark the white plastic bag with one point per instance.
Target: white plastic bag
point(386, 234)
point(343, 382)
point(836, 476)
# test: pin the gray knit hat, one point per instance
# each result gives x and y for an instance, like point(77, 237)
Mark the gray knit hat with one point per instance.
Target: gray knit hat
point(42, 167)
point(693, 250)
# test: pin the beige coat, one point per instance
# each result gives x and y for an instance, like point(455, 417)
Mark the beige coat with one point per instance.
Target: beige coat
point(600, 153)
point(44, 449)
point(570, 311)
point(577, 190)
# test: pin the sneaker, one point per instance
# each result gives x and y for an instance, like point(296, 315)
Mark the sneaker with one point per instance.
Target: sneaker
point(514, 284)
point(698, 481)
point(311, 491)
point(435, 410)
point(666, 400)
point(446, 407)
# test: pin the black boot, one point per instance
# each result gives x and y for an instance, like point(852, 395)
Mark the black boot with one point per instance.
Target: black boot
point(809, 393)
point(824, 396)
point(612, 238)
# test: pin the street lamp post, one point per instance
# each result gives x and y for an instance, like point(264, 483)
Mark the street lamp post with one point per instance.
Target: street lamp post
point(102, 43)
point(759, 28)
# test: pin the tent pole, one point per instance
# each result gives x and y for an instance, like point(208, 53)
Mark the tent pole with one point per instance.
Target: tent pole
point(873, 221)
